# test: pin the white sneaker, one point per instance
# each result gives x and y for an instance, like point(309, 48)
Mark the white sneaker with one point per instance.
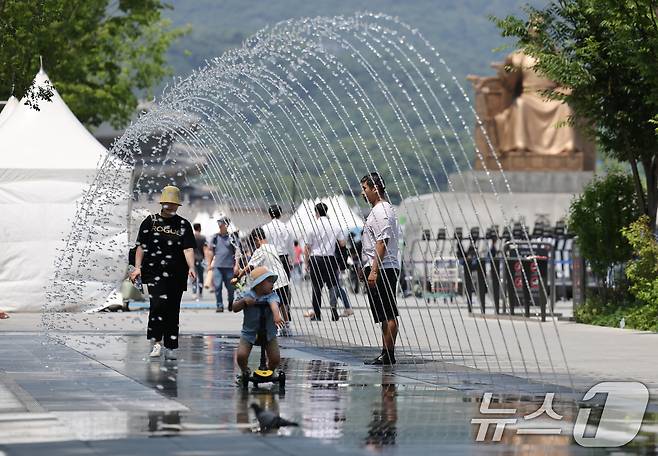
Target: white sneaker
point(348, 312)
point(170, 354)
point(156, 351)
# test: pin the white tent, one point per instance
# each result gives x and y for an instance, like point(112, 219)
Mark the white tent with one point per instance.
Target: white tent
point(303, 220)
point(53, 175)
point(209, 225)
point(9, 108)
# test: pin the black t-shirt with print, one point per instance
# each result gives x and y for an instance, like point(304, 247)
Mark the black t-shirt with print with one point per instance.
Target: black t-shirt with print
point(163, 240)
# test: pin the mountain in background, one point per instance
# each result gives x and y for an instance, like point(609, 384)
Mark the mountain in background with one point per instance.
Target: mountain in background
point(459, 29)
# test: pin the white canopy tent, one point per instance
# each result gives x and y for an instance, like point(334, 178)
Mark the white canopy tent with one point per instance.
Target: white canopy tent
point(303, 220)
point(53, 196)
point(9, 108)
point(209, 225)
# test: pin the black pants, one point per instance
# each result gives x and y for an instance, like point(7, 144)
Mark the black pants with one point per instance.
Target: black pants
point(284, 302)
point(197, 286)
point(164, 312)
point(284, 292)
point(285, 261)
point(323, 272)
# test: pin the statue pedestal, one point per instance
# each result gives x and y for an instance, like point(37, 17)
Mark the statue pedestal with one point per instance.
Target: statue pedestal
point(524, 161)
point(571, 182)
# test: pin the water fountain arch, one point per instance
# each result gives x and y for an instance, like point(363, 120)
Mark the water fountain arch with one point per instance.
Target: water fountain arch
point(321, 102)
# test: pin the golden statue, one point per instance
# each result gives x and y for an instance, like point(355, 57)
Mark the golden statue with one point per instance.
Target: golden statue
point(528, 131)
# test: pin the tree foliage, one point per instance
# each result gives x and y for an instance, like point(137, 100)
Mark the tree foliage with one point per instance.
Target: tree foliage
point(643, 269)
point(99, 53)
point(639, 308)
point(597, 216)
point(605, 52)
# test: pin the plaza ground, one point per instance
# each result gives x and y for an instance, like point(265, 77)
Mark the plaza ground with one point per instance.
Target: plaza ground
point(87, 387)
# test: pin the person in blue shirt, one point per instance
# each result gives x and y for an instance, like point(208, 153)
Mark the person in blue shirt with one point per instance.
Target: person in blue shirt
point(221, 255)
point(259, 301)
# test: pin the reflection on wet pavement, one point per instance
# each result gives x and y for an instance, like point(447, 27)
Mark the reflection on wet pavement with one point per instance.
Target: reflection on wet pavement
point(343, 404)
point(331, 400)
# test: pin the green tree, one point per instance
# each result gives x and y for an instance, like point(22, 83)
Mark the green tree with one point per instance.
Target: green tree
point(597, 216)
point(639, 307)
point(643, 269)
point(605, 52)
point(99, 53)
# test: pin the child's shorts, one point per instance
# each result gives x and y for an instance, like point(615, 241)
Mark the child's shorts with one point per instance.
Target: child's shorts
point(273, 344)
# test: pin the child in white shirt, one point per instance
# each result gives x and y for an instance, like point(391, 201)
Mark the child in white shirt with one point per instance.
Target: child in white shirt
point(267, 255)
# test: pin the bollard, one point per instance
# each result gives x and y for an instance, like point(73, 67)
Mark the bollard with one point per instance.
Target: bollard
point(482, 283)
point(495, 282)
point(527, 269)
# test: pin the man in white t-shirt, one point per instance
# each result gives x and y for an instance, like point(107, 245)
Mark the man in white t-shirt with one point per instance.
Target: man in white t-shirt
point(321, 263)
point(279, 236)
point(265, 254)
point(381, 265)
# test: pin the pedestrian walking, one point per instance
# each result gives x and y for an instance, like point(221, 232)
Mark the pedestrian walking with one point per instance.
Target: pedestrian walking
point(381, 265)
point(222, 255)
point(297, 261)
point(164, 259)
point(199, 256)
point(278, 235)
point(320, 260)
point(339, 291)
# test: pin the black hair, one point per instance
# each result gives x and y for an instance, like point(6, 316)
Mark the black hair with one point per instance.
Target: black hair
point(197, 227)
point(295, 243)
point(274, 211)
point(374, 180)
point(321, 209)
point(257, 234)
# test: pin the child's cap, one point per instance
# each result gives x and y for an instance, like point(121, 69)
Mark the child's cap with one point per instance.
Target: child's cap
point(259, 275)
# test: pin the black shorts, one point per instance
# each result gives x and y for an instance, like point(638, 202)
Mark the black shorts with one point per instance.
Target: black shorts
point(383, 296)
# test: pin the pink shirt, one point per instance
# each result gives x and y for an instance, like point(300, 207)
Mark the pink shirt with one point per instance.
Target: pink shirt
point(298, 255)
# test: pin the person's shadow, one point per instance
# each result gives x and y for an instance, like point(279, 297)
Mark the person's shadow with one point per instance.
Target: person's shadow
point(382, 429)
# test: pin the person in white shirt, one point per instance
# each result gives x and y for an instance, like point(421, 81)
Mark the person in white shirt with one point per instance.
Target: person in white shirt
point(381, 265)
point(265, 254)
point(278, 235)
point(320, 260)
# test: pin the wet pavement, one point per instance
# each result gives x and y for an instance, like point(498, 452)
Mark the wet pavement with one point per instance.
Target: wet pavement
point(102, 395)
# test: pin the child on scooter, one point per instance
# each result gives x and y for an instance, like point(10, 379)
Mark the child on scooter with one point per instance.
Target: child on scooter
point(259, 293)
